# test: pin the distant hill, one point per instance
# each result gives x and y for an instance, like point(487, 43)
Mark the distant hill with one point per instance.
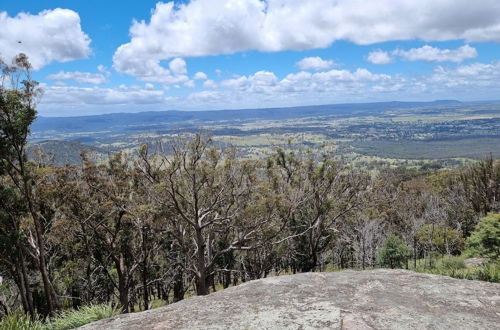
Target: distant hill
point(119, 122)
point(63, 153)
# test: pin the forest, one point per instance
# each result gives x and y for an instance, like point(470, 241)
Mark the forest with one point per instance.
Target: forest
point(190, 217)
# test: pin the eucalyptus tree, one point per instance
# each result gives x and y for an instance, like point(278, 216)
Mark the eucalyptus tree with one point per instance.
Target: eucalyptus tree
point(18, 96)
point(320, 194)
point(13, 243)
point(203, 192)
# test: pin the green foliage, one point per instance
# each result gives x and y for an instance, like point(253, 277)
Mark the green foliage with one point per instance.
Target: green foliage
point(485, 240)
point(489, 272)
point(64, 320)
point(393, 253)
point(75, 318)
point(440, 238)
point(451, 263)
point(455, 267)
point(20, 321)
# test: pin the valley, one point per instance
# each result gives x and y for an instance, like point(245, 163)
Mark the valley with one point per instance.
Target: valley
point(369, 135)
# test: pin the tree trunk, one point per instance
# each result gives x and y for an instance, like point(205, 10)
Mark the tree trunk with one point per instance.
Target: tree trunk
point(145, 291)
point(364, 255)
point(201, 276)
point(47, 286)
point(23, 285)
point(414, 253)
point(122, 286)
point(178, 287)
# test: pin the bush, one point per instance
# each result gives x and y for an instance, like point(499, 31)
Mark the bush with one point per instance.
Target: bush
point(441, 238)
point(451, 263)
point(75, 318)
point(394, 253)
point(64, 320)
point(20, 321)
point(485, 240)
point(489, 272)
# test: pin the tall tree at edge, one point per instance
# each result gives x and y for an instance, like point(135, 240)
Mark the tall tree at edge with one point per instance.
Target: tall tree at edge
point(18, 95)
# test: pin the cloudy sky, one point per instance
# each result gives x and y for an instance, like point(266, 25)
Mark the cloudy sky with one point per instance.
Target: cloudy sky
point(106, 56)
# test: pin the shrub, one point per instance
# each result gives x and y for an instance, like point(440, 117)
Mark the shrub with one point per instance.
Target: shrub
point(394, 253)
point(451, 263)
point(64, 320)
point(74, 318)
point(20, 321)
point(441, 238)
point(485, 240)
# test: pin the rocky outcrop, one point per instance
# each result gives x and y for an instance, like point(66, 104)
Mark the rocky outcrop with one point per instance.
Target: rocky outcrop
point(377, 299)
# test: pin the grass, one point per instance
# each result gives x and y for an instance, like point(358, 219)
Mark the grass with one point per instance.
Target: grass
point(20, 322)
point(63, 320)
point(455, 267)
point(71, 319)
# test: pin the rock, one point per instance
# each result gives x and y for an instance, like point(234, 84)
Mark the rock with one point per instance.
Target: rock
point(377, 299)
point(473, 262)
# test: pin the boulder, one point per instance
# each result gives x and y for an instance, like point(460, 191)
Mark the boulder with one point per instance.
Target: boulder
point(376, 299)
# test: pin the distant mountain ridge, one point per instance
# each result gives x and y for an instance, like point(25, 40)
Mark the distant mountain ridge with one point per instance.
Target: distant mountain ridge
point(116, 121)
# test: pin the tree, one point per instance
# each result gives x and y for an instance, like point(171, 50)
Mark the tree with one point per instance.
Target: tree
point(485, 240)
point(203, 192)
point(13, 244)
point(18, 96)
point(318, 195)
point(394, 253)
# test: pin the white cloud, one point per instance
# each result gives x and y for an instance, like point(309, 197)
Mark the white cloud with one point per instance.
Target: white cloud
point(178, 66)
point(304, 82)
point(80, 77)
point(190, 84)
point(51, 35)
point(65, 100)
point(484, 75)
point(314, 63)
point(209, 84)
point(379, 57)
point(101, 68)
point(152, 71)
point(433, 54)
point(83, 77)
point(200, 76)
point(212, 27)
point(204, 97)
point(474, 81)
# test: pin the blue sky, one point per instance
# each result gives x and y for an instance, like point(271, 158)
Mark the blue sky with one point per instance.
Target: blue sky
point(105, 56)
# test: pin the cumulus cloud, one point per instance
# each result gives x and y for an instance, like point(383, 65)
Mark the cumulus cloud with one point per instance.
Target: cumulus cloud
point(212, 27)
point(200, 76)
point(379, 57)
point(178, 66)
point(151, 71)
point(484, 75)
point(314, 63)
point(209, 84)
point(75, 100)
point(433, 54)
point(474, 81)
point(190, 84)
point(51, 35)
point(83, 77)
point(304, 82)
